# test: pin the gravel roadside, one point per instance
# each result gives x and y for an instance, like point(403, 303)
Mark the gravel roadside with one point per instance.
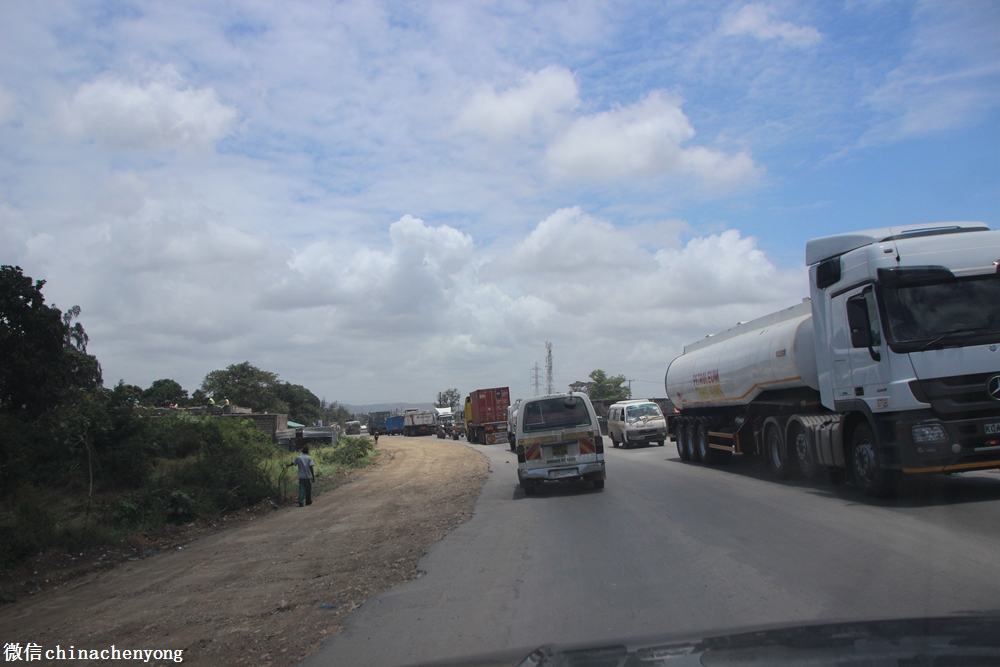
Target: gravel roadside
point(267, 592)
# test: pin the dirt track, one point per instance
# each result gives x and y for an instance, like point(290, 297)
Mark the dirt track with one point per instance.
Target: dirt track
point(269, 591)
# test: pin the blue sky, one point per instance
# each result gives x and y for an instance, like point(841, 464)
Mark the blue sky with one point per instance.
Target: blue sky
point(383, 200)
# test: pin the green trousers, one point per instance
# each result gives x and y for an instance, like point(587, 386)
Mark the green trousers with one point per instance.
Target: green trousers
point(305, 492)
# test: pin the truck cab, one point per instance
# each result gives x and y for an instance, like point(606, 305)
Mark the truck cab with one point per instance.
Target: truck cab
point(558, 439)
point(907, 329)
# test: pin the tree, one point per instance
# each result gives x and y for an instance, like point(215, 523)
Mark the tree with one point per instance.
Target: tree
point(245, 385)
point(337, 413)
point(164, 392)
point(449, 398)
point(42, 355)
point(304, 406)
point(602, 387)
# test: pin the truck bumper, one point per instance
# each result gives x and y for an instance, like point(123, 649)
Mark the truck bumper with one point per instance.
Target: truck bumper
point(562, 473)
point(968, 444)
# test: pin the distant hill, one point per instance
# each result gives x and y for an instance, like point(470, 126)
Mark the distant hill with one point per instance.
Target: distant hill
point(383, 407)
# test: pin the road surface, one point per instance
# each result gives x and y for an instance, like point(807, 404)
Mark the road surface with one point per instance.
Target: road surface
point(669, 546)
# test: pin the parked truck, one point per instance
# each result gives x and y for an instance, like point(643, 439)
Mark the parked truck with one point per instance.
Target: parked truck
point(486, 415)
point(378, 423)
point(891, 367)
point(419, 422)
point(394, 425)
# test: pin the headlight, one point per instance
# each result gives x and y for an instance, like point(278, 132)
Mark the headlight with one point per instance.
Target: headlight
point(929, 433)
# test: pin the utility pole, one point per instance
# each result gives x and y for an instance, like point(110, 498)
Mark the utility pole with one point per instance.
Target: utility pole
point(536, 369)
point(548, 368)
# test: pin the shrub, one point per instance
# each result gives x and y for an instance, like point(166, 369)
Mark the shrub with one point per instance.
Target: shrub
point(349, 452)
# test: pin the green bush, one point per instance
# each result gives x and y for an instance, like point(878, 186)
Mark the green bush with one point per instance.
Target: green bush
point(349, 452)
point(24, 534)
point(229, 471)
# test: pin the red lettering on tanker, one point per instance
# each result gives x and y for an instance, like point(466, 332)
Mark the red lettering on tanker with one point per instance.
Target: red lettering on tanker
point(705, 379)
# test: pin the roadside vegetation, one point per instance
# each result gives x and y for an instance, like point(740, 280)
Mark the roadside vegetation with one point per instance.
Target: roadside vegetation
point(82, 465)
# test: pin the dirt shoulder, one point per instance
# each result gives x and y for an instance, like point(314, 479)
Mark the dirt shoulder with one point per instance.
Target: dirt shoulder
point(267, 592)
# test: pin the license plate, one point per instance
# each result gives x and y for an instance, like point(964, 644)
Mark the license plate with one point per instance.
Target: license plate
point(563, 473)
point(991, 429)
point(558, 450)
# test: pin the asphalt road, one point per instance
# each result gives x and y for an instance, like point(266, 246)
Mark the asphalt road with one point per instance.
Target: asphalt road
point(670, 546)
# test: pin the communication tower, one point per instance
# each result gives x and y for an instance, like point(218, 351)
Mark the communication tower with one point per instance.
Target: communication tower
point(548, 367)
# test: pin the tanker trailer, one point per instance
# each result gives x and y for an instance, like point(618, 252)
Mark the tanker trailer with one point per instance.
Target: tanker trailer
point(890, 368)
point(727, 385)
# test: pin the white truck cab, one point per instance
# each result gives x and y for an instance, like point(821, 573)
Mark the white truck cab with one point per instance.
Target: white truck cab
point(558, 439)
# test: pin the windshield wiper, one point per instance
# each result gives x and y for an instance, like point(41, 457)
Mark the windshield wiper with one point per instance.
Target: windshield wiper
point(953, 332)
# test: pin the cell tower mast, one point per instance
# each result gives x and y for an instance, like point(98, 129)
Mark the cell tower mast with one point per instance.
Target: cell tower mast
point(548, 368)
point(536, 369)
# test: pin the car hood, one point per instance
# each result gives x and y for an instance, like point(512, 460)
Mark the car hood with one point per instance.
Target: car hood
point(955, 640)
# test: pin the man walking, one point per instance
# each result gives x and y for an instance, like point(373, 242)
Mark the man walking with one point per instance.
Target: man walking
point(306, 476)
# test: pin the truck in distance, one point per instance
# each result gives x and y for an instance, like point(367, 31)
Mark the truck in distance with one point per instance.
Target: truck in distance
point(890, 368)
point(419, 422)
point(378, 423)
point(486, 415)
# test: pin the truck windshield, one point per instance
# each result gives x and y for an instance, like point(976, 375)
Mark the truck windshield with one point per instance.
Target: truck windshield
point(555, 413)
point(651, 410)
point(939, 313)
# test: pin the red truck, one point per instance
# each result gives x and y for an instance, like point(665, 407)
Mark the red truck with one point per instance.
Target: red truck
point(486, 415)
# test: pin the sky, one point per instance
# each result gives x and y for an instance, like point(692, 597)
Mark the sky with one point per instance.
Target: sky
point(383, 200)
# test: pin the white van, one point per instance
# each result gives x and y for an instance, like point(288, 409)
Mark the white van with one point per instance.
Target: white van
point(635, 423)
point(558, 439)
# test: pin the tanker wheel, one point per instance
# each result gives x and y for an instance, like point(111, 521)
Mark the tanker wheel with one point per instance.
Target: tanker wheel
point(682, 451)
point(805, 454)
point(705, 451)
point(689, 442)
point(866, 463)
point(777, 456)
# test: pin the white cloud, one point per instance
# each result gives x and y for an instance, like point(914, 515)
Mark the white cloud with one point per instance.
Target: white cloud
point(643, 139)
point(538, 104)
point(755, 20)
point(159, 116)
point(169, 291)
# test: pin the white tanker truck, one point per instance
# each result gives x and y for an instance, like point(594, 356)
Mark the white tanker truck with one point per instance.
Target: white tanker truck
point(891, 367)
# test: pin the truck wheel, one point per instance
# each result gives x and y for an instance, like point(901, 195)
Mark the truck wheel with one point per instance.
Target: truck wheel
point(679, 430)
point(661, 443)
point(866, 461)
point(777, 456)
point(689, 443)
point(705, 452)
point(802, 446)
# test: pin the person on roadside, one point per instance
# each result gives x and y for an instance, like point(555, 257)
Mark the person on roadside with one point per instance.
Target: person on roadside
point(306, 476)
point(375, 435)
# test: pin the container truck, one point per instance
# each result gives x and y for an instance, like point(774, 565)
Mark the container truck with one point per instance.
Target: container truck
point(394, 425)
point(890, 368)
point(486, 415)
point(419, 422)
point(378, 423)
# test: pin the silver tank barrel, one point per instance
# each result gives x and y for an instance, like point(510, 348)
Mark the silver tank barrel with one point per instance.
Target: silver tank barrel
point(732, 368)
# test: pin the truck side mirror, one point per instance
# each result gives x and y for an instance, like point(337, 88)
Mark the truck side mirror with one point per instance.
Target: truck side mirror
point(857, 320)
